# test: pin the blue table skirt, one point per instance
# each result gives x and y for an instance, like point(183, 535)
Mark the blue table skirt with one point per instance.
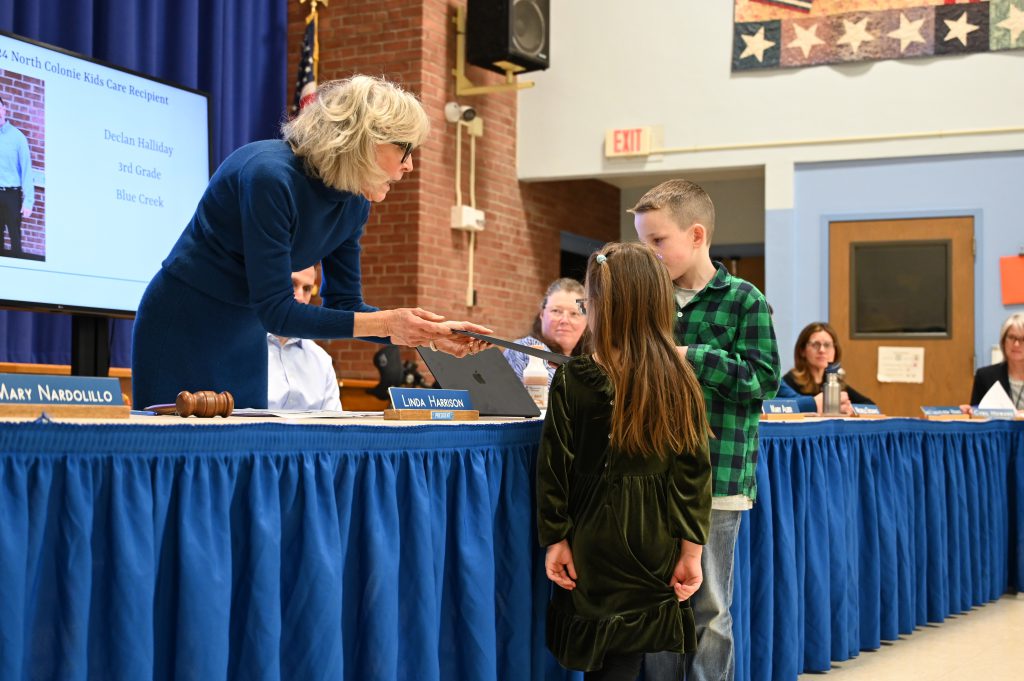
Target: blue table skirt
point(268, 552)
point(318, 552)
point(865, 530)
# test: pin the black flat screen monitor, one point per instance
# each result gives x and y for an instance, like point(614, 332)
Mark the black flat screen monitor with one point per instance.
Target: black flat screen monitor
point(901, 289)
point(118, 162)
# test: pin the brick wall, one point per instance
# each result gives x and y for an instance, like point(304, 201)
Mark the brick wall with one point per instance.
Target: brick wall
point(411, 256)
point(25, 98)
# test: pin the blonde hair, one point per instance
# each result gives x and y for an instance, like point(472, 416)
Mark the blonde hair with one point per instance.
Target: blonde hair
point(337, 133)
point(684, 201)
point(1014, 321)
point(659, 405)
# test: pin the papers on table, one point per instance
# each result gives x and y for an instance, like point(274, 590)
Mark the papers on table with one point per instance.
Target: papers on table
point(306, 413)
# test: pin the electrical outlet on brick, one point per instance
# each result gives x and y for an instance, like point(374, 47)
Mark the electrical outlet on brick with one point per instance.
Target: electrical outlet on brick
point(467, 218)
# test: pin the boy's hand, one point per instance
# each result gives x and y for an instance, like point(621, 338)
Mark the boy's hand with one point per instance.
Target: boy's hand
point(559, 567)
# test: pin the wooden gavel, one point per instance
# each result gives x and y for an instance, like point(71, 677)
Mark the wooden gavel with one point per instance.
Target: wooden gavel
point(204, 404)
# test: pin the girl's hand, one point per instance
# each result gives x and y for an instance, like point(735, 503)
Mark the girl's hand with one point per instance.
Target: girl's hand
point(687, 575)
point(559, 567)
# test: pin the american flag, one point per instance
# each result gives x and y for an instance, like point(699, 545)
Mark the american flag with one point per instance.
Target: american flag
point(305, 83)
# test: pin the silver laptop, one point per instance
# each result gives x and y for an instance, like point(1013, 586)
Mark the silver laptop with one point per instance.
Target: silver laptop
point(492, 384)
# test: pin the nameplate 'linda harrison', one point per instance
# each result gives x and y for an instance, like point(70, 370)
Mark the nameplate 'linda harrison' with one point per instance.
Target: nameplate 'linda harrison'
point(416, 404)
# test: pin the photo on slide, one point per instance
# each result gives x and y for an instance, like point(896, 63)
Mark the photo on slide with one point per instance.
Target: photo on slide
point(22, 166)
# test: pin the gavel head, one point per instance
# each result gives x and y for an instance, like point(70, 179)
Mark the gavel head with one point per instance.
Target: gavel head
point(204, 403)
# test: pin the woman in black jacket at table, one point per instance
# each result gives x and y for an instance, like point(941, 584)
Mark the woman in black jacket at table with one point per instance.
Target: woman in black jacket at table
point(817, 347)
point(1010, 372)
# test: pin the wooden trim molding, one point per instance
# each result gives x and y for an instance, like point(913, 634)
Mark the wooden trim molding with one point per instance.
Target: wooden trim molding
point(355, 398)
point(55, 369)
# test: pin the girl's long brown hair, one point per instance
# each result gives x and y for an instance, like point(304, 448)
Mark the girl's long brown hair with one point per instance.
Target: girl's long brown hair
point(801, 371)
point(658, 403)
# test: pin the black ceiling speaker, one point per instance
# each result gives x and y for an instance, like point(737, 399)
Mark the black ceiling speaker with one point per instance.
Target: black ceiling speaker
point(506, 35)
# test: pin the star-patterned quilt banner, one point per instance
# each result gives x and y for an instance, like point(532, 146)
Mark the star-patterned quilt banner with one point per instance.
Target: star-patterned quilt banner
point(791, 33)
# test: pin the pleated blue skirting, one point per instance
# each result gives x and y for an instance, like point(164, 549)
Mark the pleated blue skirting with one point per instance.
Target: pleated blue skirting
point(185, 339)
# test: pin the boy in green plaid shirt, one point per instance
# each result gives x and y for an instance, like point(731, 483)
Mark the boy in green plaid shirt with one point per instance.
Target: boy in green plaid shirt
point(726, 328)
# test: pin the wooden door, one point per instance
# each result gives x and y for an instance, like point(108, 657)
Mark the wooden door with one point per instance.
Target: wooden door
point(748, 268)
point(948, 357)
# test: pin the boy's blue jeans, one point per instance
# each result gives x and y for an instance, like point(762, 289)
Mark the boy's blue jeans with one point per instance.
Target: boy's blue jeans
point(714, 659)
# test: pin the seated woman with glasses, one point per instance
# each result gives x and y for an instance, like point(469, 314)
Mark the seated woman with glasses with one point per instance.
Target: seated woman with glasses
point(817, 346)
point(560, 326)
point(1010, 372)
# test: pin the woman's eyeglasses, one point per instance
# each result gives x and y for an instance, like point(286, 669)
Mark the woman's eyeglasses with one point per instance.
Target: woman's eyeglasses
point(1010, 339)
point(559, 313)
point(405, 147)
point(818, 345)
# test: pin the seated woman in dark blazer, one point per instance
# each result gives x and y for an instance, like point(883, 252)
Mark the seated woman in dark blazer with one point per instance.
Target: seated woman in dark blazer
point(817, 346)
point(1010, 372)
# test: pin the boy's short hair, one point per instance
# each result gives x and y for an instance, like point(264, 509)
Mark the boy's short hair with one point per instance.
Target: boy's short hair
point(686, 203)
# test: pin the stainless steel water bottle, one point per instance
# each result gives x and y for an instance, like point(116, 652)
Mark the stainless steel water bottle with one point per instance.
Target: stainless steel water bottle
point(830, 390)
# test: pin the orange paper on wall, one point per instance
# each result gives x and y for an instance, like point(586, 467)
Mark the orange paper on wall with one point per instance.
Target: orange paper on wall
point(1011, 268)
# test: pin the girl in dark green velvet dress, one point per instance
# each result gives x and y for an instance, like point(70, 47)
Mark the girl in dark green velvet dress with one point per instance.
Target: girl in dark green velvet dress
point(623, 477)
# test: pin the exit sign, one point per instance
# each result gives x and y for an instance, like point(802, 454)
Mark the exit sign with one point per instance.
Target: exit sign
point(627, 142)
